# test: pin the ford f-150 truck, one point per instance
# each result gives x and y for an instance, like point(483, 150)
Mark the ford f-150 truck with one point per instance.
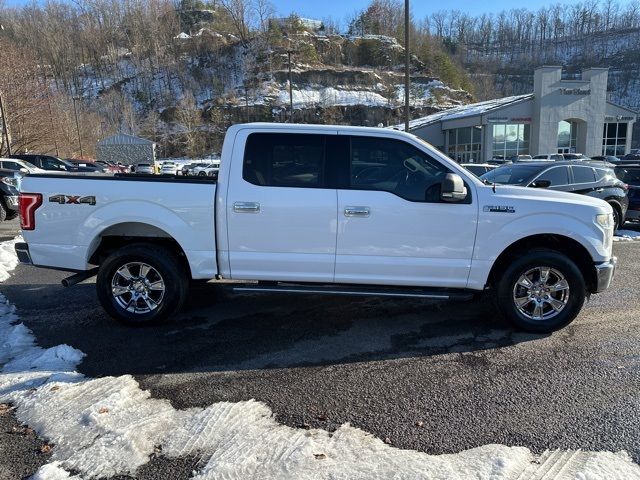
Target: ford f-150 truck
point(321, 209)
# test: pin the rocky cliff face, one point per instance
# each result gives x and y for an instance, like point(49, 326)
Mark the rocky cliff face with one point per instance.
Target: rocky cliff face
point(335, 79)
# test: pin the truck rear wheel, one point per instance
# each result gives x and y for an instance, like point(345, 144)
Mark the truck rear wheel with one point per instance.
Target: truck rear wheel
point(142, 284)
point(541, 291)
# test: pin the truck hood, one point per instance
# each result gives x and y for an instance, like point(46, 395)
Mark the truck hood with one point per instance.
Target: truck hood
point(518, 195)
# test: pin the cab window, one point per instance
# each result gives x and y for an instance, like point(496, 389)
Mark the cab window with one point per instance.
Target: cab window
point(284, 160)
point(394, 166)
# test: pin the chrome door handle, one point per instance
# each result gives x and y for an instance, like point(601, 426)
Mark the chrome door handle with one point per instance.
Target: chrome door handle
point(357, 211)
point(246, 207)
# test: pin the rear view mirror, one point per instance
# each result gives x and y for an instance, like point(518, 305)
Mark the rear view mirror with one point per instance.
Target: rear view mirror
point(453, 189)
point(541, 184)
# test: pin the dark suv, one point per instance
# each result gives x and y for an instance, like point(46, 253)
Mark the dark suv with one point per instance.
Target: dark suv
point(8, 195)
point(48, 162)
point(584, 177)
point(630, 174)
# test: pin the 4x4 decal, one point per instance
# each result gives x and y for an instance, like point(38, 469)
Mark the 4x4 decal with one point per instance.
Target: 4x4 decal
point(73, 199)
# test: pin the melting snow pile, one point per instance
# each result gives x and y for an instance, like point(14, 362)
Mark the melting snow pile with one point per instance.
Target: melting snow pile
point(109, 426)
point(8, 258)
point(626, 236)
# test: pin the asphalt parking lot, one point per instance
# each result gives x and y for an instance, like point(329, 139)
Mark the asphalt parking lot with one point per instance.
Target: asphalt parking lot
point(438, 378)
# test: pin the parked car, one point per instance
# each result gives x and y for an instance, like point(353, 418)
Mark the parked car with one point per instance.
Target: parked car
point(606, 158)
point(322, 209)
point(520, 158)
point(204, 169)
point(499, 161)
point(8, 195)
point(576, 176)
point(552, 157)
point(574, 156)
point(188, 169)
point(478, 168)
point(50, 163)
point(86, 165)
point(635, 157)
point(112, 167)
point(145, 168)
point(630, 174)
point(21, 166)
point(169, 168)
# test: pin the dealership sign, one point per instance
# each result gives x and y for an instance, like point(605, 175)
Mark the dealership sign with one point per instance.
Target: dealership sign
point(509, 120)
point(575, 91)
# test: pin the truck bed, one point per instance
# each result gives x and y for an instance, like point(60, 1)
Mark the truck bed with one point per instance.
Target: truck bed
point(79, 210)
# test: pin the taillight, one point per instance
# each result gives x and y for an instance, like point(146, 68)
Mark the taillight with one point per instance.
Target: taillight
point(28, 204)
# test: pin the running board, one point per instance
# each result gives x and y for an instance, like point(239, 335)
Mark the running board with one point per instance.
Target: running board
point(368, 291)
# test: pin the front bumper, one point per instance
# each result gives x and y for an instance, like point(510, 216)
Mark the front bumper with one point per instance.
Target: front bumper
point(604, 274)
point(12, 201)
point(22, 250)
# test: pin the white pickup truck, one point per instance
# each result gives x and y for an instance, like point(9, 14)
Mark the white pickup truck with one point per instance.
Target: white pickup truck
point(322, 210)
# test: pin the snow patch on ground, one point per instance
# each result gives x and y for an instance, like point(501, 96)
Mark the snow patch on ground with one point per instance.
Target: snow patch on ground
point(626, 236)
point(109, 426)
point(8, 258)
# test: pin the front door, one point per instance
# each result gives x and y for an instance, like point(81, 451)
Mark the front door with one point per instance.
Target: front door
point(393, 229)
point(281, 218)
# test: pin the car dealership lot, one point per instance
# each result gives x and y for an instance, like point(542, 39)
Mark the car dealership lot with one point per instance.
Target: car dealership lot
point(438, 378)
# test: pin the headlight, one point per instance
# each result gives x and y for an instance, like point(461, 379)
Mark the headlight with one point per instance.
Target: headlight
point(605, 220)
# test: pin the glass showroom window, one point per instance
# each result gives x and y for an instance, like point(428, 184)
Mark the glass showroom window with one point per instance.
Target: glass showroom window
point(614, 139)
point(567, 136)
point(510, 140)
point(465, 144)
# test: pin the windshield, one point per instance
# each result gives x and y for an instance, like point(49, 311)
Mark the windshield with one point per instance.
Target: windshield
point(28, 164)
point(512, 174)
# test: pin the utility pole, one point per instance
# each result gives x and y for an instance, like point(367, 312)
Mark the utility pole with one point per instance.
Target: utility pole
point(5, 127)
point(289, 52)
point(75, 111)
point(53, 128)
point(246, 100)
point(406, 66)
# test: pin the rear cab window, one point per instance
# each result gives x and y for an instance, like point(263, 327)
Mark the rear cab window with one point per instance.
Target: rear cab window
point(284, 160)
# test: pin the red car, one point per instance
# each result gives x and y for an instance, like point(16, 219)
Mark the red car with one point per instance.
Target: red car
point(114, 167)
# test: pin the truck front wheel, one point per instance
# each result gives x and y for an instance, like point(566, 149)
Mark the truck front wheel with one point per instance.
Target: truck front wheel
point(541, 291)
point(142, 284)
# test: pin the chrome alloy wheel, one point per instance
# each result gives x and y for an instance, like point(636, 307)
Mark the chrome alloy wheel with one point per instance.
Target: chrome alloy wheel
point(138, 287)
point(541, 293)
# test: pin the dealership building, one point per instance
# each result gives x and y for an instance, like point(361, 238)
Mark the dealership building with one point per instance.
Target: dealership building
point(560, 116)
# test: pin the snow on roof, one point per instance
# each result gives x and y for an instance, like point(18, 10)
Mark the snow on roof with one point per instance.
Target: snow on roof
point(124, 139)
point(463, 111)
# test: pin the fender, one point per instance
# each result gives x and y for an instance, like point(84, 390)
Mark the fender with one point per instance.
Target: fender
point(495, 237)
point(199, 248)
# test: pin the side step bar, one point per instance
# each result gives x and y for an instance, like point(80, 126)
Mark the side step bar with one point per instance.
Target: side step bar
point(368, 291)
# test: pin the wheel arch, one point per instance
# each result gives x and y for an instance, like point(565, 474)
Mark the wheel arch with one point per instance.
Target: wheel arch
point(560, 243)
point(127, 233)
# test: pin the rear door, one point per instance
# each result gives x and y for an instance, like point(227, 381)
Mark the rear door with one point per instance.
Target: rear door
point(558, 177)
point(393, 229)
point(281, 208)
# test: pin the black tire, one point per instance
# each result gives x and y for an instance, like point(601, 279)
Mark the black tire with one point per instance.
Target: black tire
point(3, 211)
point(173, 275)
point(618, 221)
point(506, 291)
point(202, 174)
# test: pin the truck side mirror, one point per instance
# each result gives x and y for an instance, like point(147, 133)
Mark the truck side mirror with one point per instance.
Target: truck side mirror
point(453, 189)
point(541, 184)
